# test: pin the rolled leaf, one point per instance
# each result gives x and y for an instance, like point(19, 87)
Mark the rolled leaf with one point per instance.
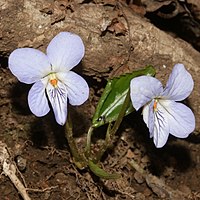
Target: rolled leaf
point(114, 95)
point(100, 172)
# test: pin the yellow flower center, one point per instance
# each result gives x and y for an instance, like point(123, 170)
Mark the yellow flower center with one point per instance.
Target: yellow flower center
point(53, 80)
point(155, 105)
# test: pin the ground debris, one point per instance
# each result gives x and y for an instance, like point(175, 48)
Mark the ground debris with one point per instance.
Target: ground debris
point(158, 186)
point(9, 169)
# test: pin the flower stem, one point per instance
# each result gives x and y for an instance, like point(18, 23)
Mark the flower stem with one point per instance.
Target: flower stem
point(88, 143)
point(111, 131)
point(79, 159)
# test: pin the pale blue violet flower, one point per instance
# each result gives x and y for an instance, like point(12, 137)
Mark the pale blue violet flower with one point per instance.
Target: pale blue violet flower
point(51, 75)
point(161, 113)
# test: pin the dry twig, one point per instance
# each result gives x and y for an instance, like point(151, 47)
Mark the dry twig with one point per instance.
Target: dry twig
point(9, 169)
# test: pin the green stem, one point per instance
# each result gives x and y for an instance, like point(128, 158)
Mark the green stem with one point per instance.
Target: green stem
point(105, 145)
point(79, 159)
point(111, 132)
point(88, 143)
point(121, 115)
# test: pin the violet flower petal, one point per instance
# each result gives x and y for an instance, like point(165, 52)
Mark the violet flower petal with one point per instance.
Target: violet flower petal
point(143, 89)
point(179, 85)
point(37, 100)
point(65, 51)
point(77, 87)
point(157, 124)
point(58, 99)
point(28, 65)
point(161, 126)
point(180, 118)
point(148, 117)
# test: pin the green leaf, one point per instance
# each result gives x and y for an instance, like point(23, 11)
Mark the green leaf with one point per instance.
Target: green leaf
point(114, 95)
point(100, 172)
